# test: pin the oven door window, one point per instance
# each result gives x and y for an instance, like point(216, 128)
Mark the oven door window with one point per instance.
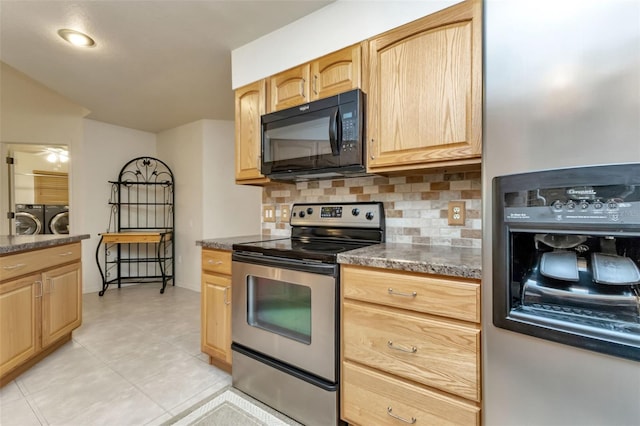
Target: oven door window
point(279, 307)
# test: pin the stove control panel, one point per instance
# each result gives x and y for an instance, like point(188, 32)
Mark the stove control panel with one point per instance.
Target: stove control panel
point(356, 215)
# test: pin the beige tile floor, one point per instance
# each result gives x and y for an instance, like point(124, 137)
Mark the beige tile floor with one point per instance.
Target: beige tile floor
point(135, 360)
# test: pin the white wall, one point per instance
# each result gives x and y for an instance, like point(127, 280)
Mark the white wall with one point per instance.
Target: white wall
point(335, 26)
point(34, 114)
point(181, 149)
point(106, 149)
point(208, 203)
point(228, 209)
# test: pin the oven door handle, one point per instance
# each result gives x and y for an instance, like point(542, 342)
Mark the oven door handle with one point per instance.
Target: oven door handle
point(293, 264)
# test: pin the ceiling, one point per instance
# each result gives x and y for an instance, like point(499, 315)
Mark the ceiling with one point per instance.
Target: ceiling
point(157, 64)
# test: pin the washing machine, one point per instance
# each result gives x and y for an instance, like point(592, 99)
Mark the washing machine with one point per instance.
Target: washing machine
point(56, 219)
point(29, 219)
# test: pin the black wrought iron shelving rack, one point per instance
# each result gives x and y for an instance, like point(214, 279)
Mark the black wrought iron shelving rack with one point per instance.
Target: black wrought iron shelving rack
point(139, 245)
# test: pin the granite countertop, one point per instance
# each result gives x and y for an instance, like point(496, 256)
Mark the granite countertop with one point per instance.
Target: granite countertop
point(227, 243)
point(441, 260)
point(16, 243)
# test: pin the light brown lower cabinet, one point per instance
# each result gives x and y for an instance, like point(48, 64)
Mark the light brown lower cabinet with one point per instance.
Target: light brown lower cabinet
point(40, 305)
point(371, 397)
point(410, 348)
point(216, 307)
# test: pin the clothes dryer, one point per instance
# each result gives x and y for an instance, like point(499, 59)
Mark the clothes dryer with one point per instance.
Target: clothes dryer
point(56, 219)
point(29, 219)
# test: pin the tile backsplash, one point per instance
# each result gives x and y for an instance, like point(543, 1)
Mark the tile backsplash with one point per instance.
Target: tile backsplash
point(416, 206)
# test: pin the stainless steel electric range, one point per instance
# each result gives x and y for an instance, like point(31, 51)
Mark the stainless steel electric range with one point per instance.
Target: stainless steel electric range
point(285, 312)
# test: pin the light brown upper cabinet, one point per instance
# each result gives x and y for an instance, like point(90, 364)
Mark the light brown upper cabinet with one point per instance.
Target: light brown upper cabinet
point(425, 92)
point(250, 105)
point(329, 75)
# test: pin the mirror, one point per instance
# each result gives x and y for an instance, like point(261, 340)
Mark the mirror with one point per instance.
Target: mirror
point(36, 189)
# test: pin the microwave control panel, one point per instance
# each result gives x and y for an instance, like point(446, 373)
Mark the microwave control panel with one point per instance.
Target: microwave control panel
point(349, 127)
point(349, 132)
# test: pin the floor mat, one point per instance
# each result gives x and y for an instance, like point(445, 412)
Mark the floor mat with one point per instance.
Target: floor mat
point(230, 407)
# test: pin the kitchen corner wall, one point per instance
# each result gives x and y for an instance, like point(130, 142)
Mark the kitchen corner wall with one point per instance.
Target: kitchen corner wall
point(416, 206)
point(208, 202)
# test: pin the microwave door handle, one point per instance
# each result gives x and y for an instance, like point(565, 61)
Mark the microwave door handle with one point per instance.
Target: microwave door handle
point(334, 130)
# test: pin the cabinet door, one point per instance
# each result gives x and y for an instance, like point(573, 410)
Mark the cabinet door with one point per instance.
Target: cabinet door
point(250, 105)
point(289, 88)
point(373, 398)
point(61, 302)
point(441, 354)
point(19, 321)
point(336, 72)
point(448, 297)
point(425, 93)
point(216, 261)
point(216, 316)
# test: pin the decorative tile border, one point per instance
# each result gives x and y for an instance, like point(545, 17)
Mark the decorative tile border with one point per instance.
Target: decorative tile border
point(416, 206)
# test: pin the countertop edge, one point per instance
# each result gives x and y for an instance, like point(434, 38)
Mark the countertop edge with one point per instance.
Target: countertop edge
point(18, 243)
point(227, 243)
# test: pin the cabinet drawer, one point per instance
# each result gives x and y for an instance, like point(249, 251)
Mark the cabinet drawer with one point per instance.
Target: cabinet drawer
point(218, 261)
point(372, 398)
point(19, 264)
point(454, 298)
point(436, 353)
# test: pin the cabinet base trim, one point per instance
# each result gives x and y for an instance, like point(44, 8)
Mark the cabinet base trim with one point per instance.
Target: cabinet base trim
point(12, 374)
point(222, 365)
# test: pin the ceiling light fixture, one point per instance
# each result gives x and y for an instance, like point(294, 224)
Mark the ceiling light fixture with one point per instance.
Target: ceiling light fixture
point(57, 155)
point(76, 38)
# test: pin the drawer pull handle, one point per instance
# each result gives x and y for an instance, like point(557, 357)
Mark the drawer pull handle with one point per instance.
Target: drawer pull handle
point(395, 416)
point(16, 266)
point(401, 349)
point(215, 262)
point(69, 253)
point(397, 293)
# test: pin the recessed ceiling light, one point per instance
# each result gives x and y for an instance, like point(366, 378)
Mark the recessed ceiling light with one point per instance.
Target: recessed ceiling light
point(76, 38)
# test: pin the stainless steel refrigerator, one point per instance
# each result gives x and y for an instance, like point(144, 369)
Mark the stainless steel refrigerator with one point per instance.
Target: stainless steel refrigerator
point(562, 89)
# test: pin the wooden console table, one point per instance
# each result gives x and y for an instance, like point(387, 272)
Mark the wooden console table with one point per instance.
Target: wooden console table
point(133, 259)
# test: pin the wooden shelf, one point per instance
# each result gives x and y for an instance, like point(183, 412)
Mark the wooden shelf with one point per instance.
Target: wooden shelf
point(132, 237)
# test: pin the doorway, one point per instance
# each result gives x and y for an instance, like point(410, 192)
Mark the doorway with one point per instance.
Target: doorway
point(36, 193)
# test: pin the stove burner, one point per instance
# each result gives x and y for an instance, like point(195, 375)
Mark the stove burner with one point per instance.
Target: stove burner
point(322, 251)
point(320, 237)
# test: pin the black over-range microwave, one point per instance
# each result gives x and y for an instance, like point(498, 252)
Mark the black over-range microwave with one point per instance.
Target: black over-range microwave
point(319, 140)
